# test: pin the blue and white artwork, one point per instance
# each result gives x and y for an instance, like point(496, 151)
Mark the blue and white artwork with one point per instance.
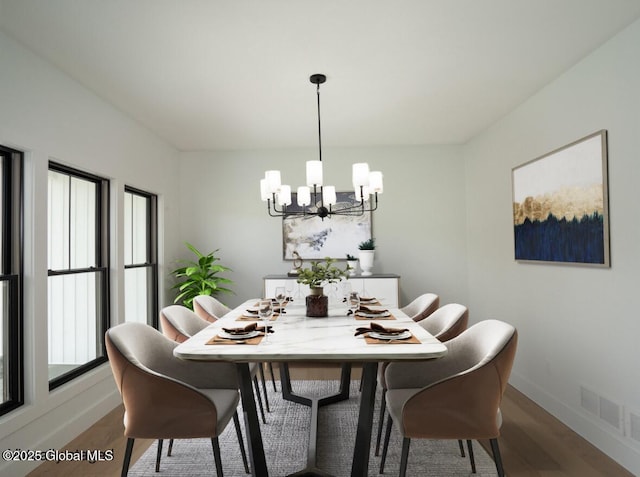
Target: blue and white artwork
point(335, 236)
point(560, 206)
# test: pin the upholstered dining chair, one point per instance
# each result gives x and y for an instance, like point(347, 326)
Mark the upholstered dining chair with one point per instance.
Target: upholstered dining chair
point(165, 397)
point(179, 323)
point(457, 396)
point(445, 323)
point(211, 309)
point(422, 306)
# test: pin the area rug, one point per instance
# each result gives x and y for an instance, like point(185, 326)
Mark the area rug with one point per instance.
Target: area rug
point(285, 437)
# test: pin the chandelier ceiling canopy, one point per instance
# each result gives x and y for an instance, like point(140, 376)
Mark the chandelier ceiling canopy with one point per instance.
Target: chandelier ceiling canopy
point(317, 199)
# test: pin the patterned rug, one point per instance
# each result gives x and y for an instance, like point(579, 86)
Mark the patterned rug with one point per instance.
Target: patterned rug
point(285, 437)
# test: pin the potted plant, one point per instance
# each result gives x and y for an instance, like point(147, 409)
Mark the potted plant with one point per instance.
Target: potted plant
point(352, 263)
point(199, 277)
point(317, 276)
point(366, 255)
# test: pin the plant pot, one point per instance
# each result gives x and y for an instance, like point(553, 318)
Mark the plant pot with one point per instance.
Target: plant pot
point(353, 267)
point(317, 304)
point(366, 262)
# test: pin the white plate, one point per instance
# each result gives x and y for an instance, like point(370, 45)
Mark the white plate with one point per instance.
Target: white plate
point(373, 315)
point(244, 336)
point(382, 336)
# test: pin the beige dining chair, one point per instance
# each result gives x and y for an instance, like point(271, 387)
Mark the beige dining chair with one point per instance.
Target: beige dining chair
point(422, 306)
point(165, 397)
point(179, 323)
point(211, 309)
point(456, 396)
point(445, 323)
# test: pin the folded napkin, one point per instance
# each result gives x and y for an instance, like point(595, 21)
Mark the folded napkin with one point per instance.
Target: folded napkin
point(368, 298)
point(247, 329)
point(372, 311)
point(380, 329)
point(243, 330)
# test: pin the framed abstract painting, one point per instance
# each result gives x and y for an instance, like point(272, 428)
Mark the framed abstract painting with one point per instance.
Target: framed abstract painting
point(314, 238)
point(560, 205)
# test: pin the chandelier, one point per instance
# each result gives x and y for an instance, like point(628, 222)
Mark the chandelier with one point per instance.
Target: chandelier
point(316, 199)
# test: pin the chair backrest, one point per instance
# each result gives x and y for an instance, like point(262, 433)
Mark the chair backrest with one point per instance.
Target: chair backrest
point(179, 323)
point(422, 306)
point(157, 404)
point(209, 308)
point(469, 381)
point(446, 322)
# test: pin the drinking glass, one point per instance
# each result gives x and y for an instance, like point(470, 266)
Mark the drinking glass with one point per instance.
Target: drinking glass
point(281, 298)
point(354, 302)
point(265, 312)
point(289, 289)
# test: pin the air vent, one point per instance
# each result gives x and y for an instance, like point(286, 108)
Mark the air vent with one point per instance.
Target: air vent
point(634, 426)
point(603, 408)
point(589, 400)
point(611, 413)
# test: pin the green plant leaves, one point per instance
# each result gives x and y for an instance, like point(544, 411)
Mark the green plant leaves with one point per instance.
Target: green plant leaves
point(199, 277)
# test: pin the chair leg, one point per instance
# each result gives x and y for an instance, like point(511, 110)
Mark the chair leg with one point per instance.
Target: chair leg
point(127, 457)
point(273, 377)
point(496, 457)
point(170, 448)
point(257, 389)
point(461, 448)
point(404, 458)
point(159, 455)
point(264, 387)
point(471, 456)
point(383, 408)
point(236, 423)
point(216, 456)
point(385, 446)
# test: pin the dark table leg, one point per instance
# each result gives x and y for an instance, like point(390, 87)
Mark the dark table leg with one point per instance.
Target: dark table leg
point(360, 464)
point(252, 426)
point(311, 470)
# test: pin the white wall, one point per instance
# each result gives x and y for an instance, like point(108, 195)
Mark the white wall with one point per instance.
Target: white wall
point(49, 116)
point(578, 326)
point(419, 226)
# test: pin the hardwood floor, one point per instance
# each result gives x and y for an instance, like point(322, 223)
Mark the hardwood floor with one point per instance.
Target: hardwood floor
point(533, 443)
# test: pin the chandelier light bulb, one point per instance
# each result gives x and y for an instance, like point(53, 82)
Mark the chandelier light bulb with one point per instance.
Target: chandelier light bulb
point(304, 196)
point(314, 173)
point(360, 174)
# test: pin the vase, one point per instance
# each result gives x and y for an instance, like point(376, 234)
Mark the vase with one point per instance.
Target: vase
point(366, 262)
point(317, 303)
point(353, 267)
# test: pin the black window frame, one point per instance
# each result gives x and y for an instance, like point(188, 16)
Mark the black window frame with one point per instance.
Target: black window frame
point(12, 271)
point(102, 254)
point(151, 260)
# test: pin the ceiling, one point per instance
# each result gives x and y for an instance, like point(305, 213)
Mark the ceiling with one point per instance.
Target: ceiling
point(234, 74)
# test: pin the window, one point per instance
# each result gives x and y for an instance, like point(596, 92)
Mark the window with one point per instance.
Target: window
point(11, 341)
point(78, 313)
point(140, 257)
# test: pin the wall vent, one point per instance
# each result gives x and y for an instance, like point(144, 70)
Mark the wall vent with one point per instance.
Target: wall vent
point(611, 413)
point(604, 408)
point(589, 401)
point(634, 426)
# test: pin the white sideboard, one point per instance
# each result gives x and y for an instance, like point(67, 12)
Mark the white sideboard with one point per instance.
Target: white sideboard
point(384, 286)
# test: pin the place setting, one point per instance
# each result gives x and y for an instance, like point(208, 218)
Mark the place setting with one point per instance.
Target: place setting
point(375, 333)
point(251, 334)
point(278, 304)
point(366, 308)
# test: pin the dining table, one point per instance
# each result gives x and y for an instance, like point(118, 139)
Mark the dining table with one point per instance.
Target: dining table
point(343, 337)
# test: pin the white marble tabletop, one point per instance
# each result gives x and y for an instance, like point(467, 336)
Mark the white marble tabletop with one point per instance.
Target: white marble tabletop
point(300, 338)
